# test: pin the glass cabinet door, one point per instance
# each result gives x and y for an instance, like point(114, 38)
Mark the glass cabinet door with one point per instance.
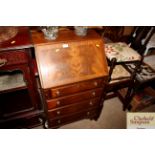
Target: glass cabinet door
point(14, 95)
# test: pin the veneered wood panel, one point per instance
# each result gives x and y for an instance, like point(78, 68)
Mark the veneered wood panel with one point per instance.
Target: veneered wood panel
point(65, 63)
point(74, 108)
point(74, 88)
point(87, 113)
point(14, 57)
point(74, 98)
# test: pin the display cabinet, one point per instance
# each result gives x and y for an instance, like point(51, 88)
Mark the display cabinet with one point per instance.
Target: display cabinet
point(20, 105)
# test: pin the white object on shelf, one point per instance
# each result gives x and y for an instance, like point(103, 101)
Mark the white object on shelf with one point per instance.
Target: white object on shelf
point(11, 81)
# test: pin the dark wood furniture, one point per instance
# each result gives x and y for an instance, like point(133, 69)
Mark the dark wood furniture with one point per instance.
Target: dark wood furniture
point(145, 78)
point(73, 72)
point(19, 99)
point(114, 33)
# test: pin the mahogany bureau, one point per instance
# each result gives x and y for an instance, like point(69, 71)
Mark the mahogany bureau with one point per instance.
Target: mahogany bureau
point(73, 72)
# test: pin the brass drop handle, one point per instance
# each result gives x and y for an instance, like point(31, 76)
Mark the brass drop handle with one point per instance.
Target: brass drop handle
point(93, 93)
point(88, 113)
point(2, 62)
point(58, 112)
point(91, 103)
point(59, 121)
point(95, 83)
point(58, 102)
point(58, 92)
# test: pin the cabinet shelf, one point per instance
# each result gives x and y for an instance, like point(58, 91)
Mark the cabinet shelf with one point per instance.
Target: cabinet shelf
point(13, 89)
point(11, 82)
point(19, 98)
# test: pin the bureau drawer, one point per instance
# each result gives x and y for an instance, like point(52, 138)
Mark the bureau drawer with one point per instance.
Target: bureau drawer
point(74, 88)
point(90, 113)
point(14, 57)
point(63, 101)
point(74, 108)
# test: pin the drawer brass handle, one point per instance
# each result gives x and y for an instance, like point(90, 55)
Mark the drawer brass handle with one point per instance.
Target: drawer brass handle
point(2, 62)
point(58, 92)
point(58, 112)
point(88, 113)
point(93, 93)
point(58, 102)
point(59, 121)
point(91, 103)
point(95, 83)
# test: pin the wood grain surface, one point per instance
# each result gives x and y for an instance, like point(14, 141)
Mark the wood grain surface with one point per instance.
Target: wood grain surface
point(69, 58)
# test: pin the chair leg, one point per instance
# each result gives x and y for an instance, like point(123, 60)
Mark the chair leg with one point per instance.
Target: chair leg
point(112, 66)
point(131, 89)
point(128, 98)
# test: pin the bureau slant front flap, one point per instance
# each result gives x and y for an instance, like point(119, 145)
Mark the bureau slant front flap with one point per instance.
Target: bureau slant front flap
point(69, 62)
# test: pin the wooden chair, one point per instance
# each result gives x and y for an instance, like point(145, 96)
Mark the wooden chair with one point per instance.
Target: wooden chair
point(145, 78)
point(119, 56)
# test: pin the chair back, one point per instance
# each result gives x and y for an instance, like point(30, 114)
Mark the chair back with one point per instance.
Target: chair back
point(140, 37)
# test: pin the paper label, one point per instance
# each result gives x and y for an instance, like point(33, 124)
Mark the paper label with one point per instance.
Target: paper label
point(140, 120)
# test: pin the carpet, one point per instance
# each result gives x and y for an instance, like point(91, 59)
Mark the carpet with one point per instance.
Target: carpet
point(112, 117)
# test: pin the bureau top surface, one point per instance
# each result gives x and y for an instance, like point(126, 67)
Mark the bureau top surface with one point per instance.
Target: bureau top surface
point(21, 40)
point(63, 36)
point(69, 58)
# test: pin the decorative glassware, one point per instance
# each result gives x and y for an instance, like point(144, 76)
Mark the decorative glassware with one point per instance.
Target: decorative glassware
point(50, 32)
point(81, 30)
